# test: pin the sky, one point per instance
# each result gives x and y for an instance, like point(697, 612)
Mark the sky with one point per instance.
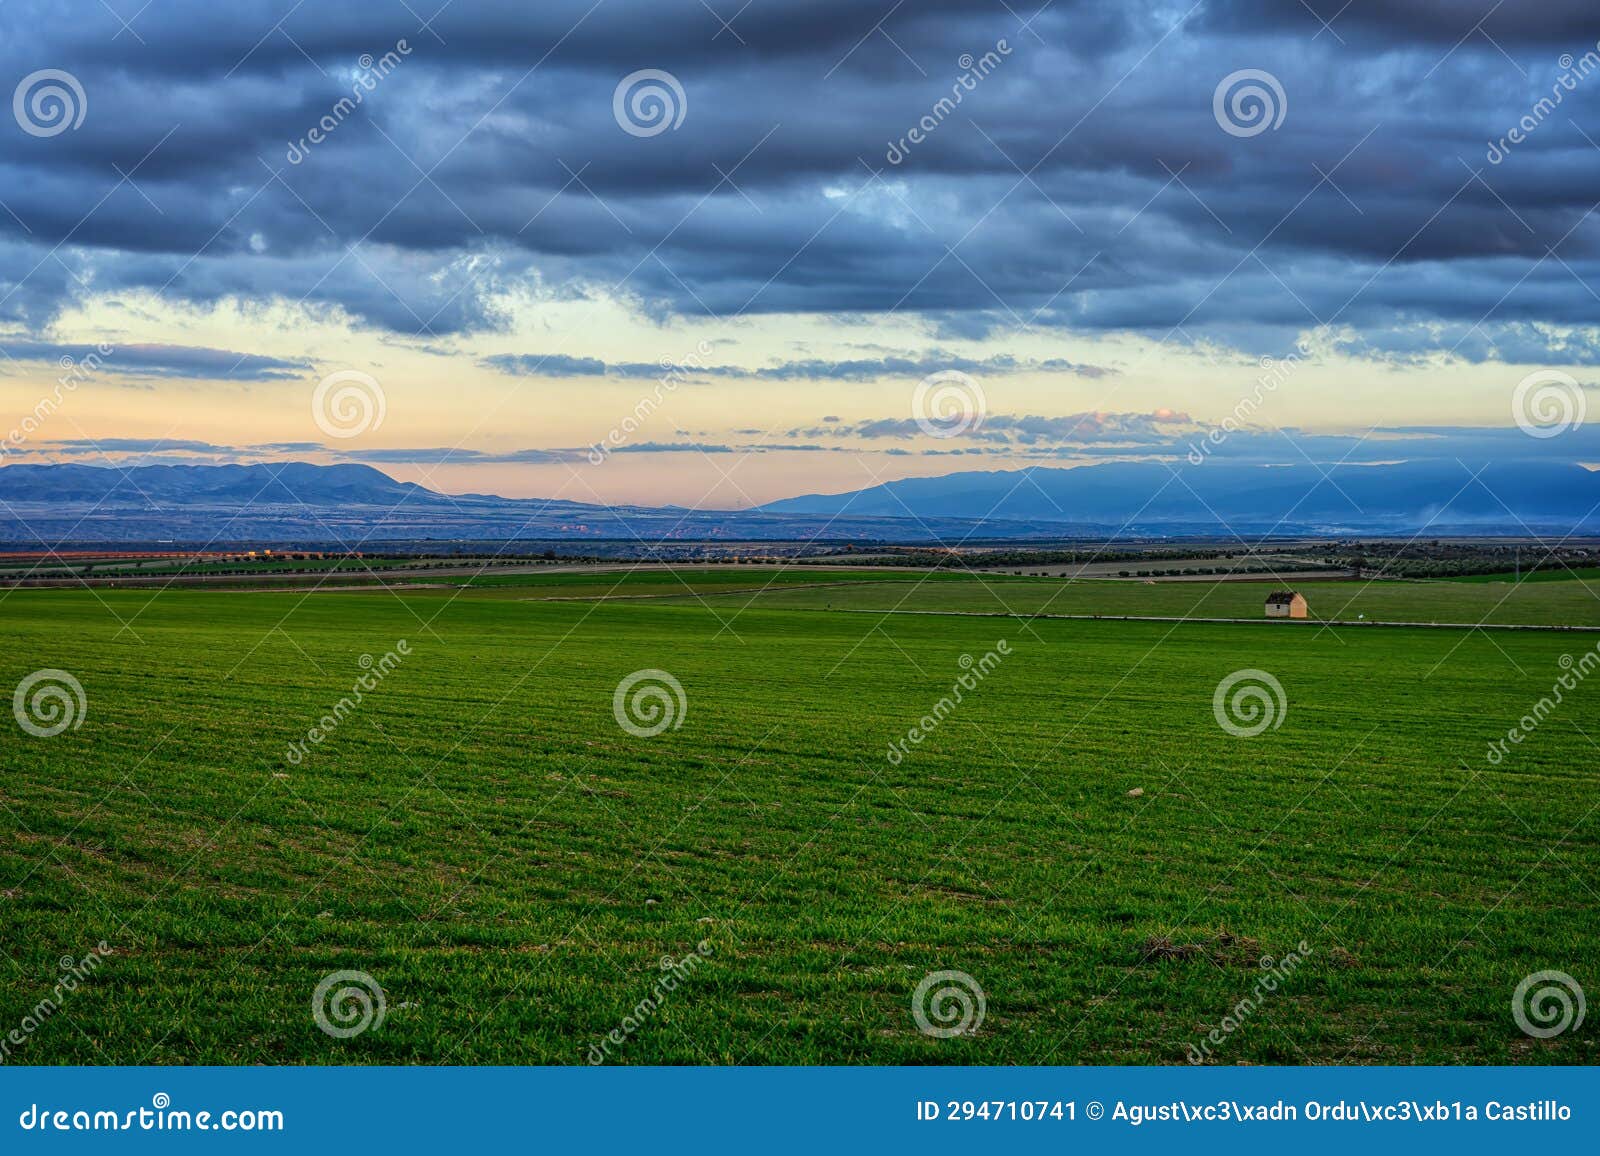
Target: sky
point(713, 253)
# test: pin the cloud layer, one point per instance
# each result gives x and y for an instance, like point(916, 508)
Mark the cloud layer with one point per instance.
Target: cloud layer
point(417, 176)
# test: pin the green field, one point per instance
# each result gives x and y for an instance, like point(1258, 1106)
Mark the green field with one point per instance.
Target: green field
point(729, 590)
point(661, 581)
point(483, 838)
point(1571, 603)
point(1589, 574)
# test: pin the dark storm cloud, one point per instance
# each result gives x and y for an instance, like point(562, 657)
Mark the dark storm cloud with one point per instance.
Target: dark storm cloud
point(935, 361)
point(1441, 22)
point(1083, 437)
point(1136, 436)
point(441, 455)
point(560, 365)
point(1071, 429)
point(177, 449)
point(142, 448)
point(172, 361)
point(240, 152)
point(549, 365)
point(555, 365)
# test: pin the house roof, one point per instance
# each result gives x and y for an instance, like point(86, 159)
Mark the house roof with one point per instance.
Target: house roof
point(1281, 597)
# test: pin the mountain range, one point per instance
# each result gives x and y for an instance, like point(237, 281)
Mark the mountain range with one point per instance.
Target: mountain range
point(61, 503)
point(1402, 496)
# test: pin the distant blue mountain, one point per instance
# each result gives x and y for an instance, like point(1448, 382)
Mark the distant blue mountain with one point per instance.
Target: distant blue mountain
point(284, 482)
point(352, 504)
point(300, 501)
point(1406, 495)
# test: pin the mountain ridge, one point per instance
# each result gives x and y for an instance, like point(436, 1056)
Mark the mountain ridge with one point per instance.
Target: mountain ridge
point(49, 502)
point(1411, 494)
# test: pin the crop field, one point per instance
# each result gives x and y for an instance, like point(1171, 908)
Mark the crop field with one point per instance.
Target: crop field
point(1589, 574)
point(1113, 862)
point(661, 581)
point(1575, 602)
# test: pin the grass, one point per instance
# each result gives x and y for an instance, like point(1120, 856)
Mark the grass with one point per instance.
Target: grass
point(1589, 574)
point(483, 839)
point(1571, 603)
point(686, 580)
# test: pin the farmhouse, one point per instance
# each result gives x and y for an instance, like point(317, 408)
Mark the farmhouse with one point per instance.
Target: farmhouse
point(1286, 604)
